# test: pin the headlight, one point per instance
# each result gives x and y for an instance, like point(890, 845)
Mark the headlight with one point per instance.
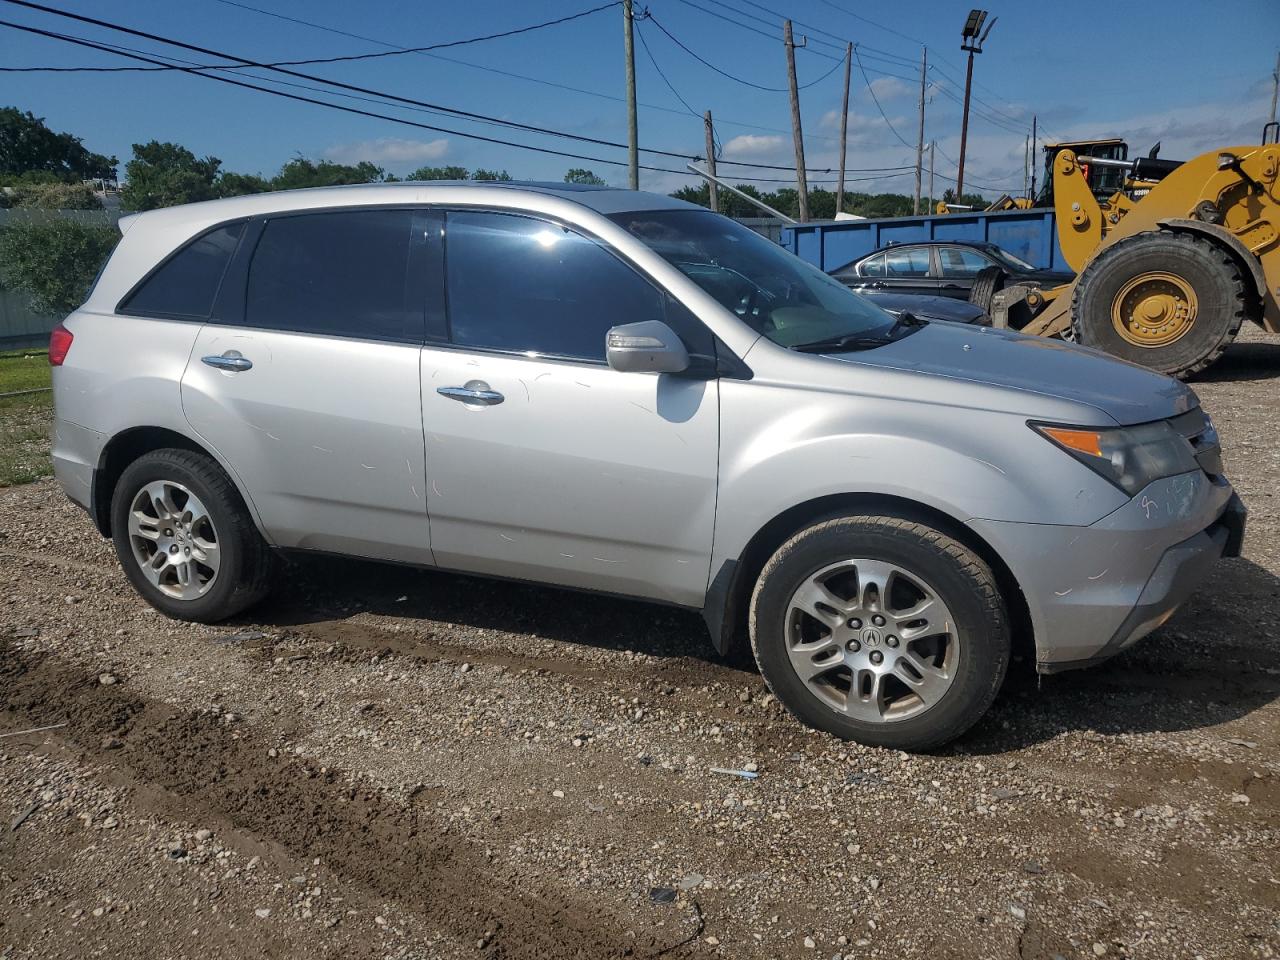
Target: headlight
point(1130, 457)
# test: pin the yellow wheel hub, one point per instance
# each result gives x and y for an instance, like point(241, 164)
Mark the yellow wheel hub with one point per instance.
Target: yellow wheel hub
point(1154, 309)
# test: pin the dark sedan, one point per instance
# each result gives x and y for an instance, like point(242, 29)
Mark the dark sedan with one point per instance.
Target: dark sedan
point(938, 269)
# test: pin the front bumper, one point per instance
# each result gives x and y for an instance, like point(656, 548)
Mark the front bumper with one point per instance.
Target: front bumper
point(1093, 591)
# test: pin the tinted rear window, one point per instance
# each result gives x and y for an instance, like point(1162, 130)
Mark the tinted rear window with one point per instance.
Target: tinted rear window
point(184, 286)
point(344, 273)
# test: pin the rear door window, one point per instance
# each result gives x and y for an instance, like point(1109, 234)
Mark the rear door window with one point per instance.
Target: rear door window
point(907, 262)
point(342, 273)
point(961, 261)
point(185, 285)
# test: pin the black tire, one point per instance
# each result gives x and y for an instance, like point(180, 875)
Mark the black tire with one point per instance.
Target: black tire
point(246, 563)
point(986, 284)
point(961, 578)
point(1212, 274)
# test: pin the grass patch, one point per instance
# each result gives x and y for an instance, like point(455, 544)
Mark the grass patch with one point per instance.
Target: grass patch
point(24, 370)
point(25, 427)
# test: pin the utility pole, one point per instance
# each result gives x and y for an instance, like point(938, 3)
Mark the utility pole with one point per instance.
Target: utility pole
point(1033, 156)
point(1275, 86)
point(932, 144)
point(797, 135)
point(844, 127)
point(924, 67)
point(972, 37)
point(713, 193)
point(633, 136)
point(1026, 163)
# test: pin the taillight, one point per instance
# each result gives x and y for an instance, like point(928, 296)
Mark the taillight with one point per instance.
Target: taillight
point(59, 343)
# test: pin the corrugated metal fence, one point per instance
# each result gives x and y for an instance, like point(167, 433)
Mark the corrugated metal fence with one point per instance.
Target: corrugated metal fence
point(20, 326)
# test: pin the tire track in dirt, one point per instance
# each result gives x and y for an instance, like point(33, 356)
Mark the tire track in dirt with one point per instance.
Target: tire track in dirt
point(386, 850)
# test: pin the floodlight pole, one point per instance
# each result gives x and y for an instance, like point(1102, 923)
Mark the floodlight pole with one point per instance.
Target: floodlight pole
point(972, 41)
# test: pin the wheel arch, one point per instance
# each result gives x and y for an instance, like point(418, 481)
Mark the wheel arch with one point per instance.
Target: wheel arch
point(126, 447)
point(1250, 266)
point(729, 593)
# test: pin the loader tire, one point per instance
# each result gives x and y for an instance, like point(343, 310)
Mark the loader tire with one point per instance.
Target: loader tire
point(1166, 300)
point(986, 284)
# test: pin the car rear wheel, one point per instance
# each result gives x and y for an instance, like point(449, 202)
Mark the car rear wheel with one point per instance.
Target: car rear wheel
point(881, 630)
point(185, 539)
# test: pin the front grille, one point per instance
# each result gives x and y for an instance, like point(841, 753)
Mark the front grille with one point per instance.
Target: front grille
point(1198, 430)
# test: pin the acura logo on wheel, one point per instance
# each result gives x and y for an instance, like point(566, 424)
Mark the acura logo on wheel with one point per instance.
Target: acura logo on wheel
point(871, 637)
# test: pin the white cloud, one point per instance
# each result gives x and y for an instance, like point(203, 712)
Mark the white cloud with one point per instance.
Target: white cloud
point(753, 145)
point(395, 153)
point(891, 88)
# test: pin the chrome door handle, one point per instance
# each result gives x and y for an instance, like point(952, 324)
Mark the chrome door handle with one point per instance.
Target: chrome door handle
point(474, 391)
point(230, 360)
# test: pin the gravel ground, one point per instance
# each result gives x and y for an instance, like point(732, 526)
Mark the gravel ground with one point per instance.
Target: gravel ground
point(382, 762)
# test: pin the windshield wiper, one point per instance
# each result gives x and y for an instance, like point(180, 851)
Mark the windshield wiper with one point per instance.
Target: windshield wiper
point(905, 324)
point(840, 344)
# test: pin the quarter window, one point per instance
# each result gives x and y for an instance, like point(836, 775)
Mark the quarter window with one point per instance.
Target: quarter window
point(524, 285)
point(344, 273)
point(907, 262)
point(874, 267)
point(184, 286)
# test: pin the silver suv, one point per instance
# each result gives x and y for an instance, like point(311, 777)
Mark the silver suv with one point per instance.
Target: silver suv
point(619, 392)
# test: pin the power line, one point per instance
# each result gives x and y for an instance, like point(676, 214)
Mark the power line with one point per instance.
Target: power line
point(397, 52)
point(464, 114)
point(378, 116)
point(670, 86)
point(724, 73)
point(742, 163)
point(519, 76)
point(333, 106)
point(402, 102)
point(876, 99)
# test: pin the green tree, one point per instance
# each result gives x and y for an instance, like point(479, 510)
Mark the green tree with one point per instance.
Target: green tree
point(440, 173)
point(974, 200)
point(164, 174)
point(238, 184)
point(579, 175)
point(28, 146)
point(57, 196)
point(730, 205)
point(54, 262)
point(301, 172)
point(501, 175)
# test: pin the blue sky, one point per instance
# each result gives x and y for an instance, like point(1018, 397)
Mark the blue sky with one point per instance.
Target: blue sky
point(1192, 74)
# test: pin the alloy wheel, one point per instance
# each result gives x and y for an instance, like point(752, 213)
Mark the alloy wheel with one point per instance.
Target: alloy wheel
point(872, 640)
point(173, 539)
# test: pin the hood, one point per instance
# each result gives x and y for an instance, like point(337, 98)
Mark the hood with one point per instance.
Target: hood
point(929, 308)
point(1125, 392)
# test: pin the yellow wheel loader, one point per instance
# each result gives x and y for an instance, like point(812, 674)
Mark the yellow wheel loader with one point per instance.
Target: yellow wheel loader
point(1168, 267)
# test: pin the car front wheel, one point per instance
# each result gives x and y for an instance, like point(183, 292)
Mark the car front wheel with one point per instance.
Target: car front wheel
point(881, 630)
point(185, 539)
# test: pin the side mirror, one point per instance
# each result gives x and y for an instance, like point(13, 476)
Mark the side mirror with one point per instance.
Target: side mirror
point(649, 346)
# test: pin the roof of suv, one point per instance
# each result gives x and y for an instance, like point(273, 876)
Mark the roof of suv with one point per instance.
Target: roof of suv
point(604, 200)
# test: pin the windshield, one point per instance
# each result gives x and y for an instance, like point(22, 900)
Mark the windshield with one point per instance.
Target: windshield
point(775, 293)
point(1009, 259)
